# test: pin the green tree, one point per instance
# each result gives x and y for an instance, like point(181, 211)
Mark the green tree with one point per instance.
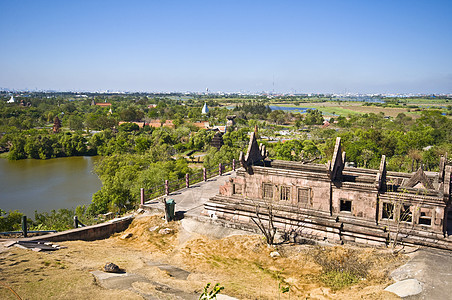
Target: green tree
point(76, 122)
point(128, 127)
point(11, 221)
point(313, 117)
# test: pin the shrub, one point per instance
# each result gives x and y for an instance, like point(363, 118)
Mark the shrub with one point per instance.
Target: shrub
point(341, 266)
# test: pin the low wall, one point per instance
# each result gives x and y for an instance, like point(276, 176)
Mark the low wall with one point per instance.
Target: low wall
point(88, 233)
point(320, 225)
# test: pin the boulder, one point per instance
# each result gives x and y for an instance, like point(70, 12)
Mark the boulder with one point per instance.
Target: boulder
point(405, 288)
point(111, 268)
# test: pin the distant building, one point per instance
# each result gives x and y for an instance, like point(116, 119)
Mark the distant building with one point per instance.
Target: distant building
point(230, 120)
point(220, 128)
point(205, 109)
point(158, 123)
point(11, 100)
point(56, 125)
point(201, 125)
point(103, 104)
point(140, 124)
point(217, 140)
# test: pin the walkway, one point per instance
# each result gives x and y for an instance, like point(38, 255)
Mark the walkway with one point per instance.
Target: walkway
point(433, 268)
point(190, 201)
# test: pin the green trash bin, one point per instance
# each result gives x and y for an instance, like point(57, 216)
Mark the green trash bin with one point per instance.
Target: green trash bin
point(170, 209)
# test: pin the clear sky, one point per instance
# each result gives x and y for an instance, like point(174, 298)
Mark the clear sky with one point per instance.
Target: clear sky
point(316, 46)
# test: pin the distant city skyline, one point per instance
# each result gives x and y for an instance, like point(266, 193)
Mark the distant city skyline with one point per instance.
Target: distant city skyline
point(387, 47)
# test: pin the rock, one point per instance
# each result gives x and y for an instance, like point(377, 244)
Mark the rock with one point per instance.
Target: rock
point(111, 268)
point(154, 228)
point(165, 231)
point(275, 254)
point(405, 288)
point(225, 297)
point(126, 236)
point(9, 243)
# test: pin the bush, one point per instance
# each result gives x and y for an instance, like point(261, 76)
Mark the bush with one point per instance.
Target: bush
point(11, 222)
point(341, 266)
point(128, 127)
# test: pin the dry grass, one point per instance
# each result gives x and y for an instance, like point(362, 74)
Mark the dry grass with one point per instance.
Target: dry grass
point(359, 108)
point(241, 264)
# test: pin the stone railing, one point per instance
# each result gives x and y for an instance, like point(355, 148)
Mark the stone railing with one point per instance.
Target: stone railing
point(174, 185)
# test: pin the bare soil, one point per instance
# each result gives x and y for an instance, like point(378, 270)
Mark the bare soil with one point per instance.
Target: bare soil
point(184, 263)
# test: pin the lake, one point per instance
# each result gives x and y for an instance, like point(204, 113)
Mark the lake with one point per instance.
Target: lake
point(32, 184)
point(289, 108)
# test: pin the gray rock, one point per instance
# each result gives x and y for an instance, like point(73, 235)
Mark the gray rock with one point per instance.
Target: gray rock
point(165, 231)
point(275, 254)
point(405, 288)
point(126, 236)
point(225, 297)
point(111, 268)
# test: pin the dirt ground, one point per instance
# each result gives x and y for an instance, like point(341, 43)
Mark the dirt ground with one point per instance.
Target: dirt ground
point(240, 263)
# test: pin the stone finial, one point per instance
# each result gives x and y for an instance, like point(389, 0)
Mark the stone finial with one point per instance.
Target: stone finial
point(419, 177)
point(447, 179)
point(380, 181)
point(442, 166)
point(255, 152)
point(336, 165)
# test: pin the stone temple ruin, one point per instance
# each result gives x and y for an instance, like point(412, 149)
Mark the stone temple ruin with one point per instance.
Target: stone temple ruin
point(336, 203)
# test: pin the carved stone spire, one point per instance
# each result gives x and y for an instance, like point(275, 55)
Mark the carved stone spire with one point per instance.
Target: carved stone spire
point(419, 177)
point(336, 165)
point(255, 152)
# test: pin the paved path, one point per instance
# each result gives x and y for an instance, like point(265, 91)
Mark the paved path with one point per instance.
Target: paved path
point(190, 201)
point(433, 268)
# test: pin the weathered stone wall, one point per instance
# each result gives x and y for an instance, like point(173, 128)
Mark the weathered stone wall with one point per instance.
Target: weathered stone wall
point(293, 180)
point(363, 198)
point(311, 224)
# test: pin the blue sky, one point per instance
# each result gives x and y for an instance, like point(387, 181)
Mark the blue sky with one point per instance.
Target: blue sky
point(286, 46)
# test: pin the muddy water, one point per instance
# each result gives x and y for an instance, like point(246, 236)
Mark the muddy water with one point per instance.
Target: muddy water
point(42, 185)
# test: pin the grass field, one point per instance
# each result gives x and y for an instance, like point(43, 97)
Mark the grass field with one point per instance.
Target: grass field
point(350, 108)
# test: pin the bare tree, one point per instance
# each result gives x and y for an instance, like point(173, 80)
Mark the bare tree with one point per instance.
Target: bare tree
point(264, 219)
point(266, 210)
point(398, 214)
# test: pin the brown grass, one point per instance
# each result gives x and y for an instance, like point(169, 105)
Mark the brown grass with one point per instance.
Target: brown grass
point(358, 107)
point(241, 264)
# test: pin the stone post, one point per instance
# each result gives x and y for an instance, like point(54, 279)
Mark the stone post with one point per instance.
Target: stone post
point(233, 164)
point(220, 169)
point(204, 174)
point(187, 180)
point(142, 196)
point(166, 187)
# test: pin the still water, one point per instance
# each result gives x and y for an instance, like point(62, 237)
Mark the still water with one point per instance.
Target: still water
point(32, 184)
point(289, 108)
